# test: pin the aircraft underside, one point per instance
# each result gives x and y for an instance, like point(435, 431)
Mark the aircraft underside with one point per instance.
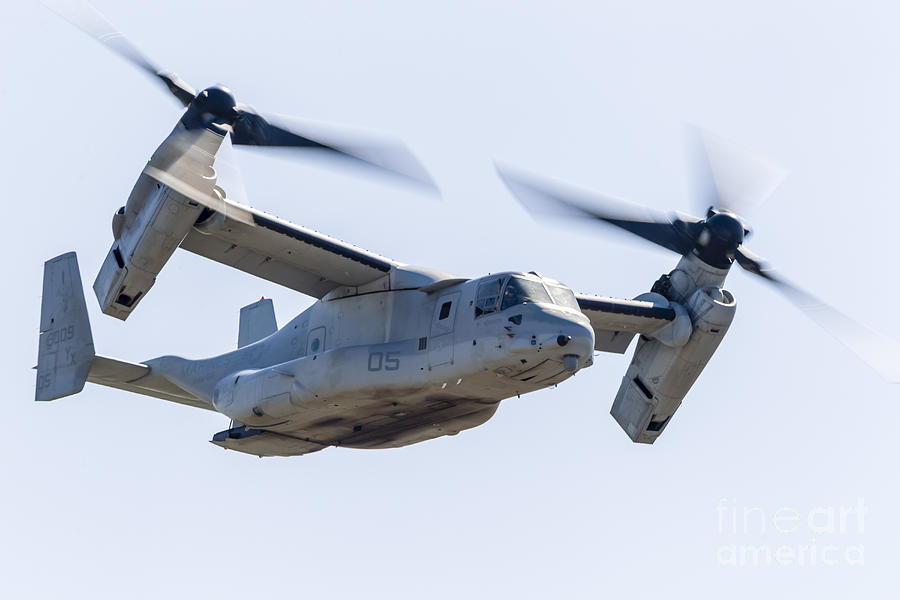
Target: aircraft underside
point(395, 418)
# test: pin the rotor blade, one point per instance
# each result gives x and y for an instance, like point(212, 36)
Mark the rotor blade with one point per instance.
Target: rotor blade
point(378, 151)
point(551, 197)
point(726, 176)
point(881, 353)
point(85, 17)
point(228, 174)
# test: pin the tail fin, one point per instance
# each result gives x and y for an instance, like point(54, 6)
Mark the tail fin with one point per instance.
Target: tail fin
point(66, 348)
point(257, 322)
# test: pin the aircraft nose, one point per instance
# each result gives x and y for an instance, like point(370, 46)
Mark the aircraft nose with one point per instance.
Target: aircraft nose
point(576, 341)
point(554, 333)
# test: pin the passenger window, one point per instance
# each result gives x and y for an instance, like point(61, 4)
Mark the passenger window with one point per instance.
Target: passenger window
point(445, 311)
point(487, 297)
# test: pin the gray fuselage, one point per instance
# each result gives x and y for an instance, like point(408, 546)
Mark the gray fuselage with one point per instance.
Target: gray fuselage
point(390, 368)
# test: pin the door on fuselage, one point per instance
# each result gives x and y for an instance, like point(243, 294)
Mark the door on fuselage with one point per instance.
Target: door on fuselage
point(440, 342)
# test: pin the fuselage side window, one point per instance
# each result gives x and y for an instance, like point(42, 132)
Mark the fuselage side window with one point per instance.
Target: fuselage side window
point(487, 297)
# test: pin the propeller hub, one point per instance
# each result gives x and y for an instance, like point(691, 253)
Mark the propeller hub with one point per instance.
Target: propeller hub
point(722, 233)
point(212, 108)
point(217, 100)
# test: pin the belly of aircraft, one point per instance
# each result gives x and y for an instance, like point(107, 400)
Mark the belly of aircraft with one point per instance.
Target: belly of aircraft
point(391, 418)
point(387, 422)
point(334, 402)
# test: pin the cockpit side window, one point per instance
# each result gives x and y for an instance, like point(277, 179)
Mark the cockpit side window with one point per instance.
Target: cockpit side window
point(563, 296)
point(520, 291)
point(487, 297)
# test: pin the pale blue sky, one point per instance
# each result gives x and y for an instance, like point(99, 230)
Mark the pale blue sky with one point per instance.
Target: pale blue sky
point(112, 495)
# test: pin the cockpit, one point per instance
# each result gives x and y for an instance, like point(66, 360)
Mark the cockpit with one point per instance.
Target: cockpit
point(499, 292)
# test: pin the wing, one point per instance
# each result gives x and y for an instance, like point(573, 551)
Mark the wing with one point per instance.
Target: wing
point(284, 253)
point(616, 321)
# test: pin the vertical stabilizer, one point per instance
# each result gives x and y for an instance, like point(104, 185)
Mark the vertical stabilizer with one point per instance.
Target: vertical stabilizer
point(66, 348)
point(257, 322)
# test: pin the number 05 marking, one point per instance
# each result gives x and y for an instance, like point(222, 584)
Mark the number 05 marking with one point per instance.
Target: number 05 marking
point(387, 361)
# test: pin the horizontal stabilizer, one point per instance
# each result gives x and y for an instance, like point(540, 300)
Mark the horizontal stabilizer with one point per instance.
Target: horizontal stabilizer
point(140, 379)
point(112, 369)
point(66, 348)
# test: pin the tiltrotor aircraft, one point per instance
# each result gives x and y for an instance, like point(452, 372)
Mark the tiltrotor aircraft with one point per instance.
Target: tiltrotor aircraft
point(389, 355)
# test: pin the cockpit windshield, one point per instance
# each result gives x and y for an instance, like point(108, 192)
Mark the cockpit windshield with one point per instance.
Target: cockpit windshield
point(520, 291)
point(563, 296)
point(492, 295)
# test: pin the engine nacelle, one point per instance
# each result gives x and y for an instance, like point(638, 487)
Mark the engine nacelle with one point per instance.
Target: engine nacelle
point(155, 220)
point(143, 248)
point(660, 376)
point(259, 397)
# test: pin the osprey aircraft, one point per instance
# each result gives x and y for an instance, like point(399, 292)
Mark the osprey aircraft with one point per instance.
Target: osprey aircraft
point(389, 355)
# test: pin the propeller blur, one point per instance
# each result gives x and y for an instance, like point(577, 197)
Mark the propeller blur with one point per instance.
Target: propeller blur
point(725, 179)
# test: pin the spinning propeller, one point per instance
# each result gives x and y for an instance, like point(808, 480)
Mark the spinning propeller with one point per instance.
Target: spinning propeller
point(216, 108)
point(729, 182)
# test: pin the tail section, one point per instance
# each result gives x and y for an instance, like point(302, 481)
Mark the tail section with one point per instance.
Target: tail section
point(66, 347)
